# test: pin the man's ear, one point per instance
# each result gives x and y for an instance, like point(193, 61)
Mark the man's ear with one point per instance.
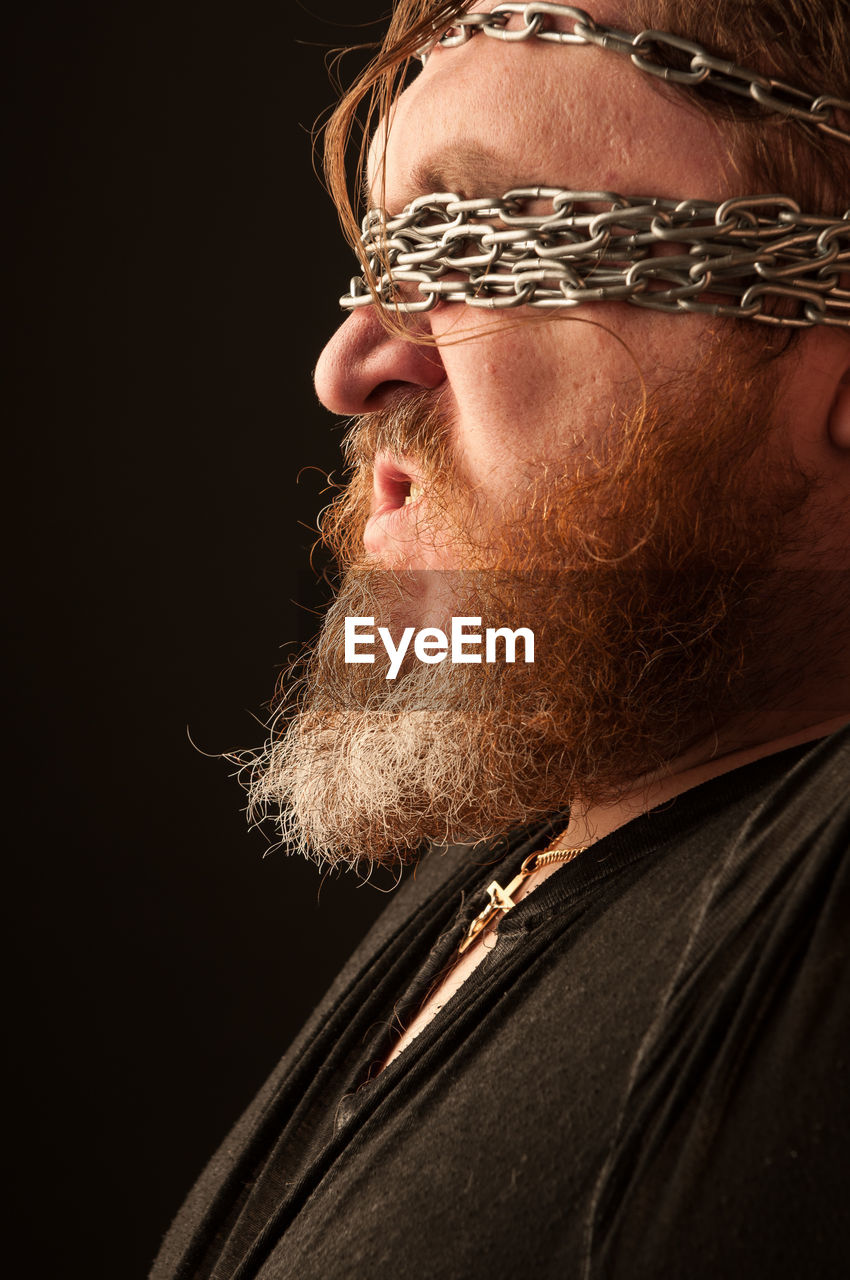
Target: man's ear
point(839, 414)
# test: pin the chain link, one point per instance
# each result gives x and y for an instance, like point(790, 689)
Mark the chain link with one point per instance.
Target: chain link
point(564, 24)
point(754, 257)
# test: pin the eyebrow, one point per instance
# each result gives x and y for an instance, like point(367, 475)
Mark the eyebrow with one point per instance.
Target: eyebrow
point(460, 168)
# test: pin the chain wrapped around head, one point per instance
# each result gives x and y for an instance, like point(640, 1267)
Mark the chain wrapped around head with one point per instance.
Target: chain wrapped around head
point(729, 259)
point(752, 257)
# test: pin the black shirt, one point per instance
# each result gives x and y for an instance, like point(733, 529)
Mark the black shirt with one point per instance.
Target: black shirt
point(646, 1076)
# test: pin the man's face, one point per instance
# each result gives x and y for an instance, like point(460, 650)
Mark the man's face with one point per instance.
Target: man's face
point(479, 120)
point(611, 477)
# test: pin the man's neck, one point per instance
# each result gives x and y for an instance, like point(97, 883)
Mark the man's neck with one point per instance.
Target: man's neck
point(589, 824)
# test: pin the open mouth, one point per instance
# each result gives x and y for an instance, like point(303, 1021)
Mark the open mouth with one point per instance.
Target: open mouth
point(397, 492)
point(396, 483)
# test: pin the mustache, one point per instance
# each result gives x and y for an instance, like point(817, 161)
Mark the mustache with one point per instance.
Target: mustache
point(415, 425)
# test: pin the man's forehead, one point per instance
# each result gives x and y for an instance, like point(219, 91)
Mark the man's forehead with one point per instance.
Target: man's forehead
point(488, 115)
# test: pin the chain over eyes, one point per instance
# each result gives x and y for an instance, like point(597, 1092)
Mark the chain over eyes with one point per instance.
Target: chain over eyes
point(650, 52)
point(754, 258)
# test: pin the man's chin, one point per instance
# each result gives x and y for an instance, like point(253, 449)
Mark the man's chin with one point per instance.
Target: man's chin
point(364, 767)
point(372, 764)
point(376, 761)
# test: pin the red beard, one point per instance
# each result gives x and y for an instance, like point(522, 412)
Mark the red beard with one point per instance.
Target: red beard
point(649, 578)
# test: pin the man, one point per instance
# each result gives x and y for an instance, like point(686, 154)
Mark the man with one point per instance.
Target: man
point(603, 399)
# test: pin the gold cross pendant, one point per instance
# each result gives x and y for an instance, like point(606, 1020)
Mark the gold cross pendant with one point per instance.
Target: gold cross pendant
point(501, 900)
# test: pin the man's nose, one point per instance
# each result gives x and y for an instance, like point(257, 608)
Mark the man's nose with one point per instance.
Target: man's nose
point(365, 365)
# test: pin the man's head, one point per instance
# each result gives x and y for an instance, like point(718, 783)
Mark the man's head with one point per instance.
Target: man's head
point(651, 493)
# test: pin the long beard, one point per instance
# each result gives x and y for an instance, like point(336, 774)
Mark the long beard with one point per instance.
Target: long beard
point(645, 573)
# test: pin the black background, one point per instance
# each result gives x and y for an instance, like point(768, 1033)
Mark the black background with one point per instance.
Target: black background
point(176, 267)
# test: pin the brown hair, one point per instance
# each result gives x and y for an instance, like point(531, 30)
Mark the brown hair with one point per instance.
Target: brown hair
point(803, 42)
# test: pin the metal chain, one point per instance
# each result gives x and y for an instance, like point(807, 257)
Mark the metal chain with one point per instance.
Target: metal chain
point(648, 50)
point(752, 257)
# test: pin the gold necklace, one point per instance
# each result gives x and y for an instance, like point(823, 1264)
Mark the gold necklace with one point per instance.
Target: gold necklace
point(501, 900)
